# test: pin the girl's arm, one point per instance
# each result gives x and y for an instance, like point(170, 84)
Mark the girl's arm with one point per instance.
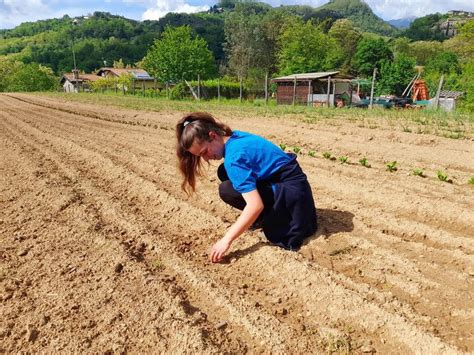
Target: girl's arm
point(252, 210)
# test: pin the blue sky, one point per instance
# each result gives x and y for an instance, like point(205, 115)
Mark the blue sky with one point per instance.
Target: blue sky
point(14, 12)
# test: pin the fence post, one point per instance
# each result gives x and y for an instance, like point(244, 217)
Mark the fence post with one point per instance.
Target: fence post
point(371, 105)
point(218, 90)
point(199, 87)
point(241, 89)
point(309, 93)
point(167, 90)
point(133, 86)
point(294, 90)
point(329, 91)
point(266, 88)
point(440, 86)
point(154, 88)
point(143, 88)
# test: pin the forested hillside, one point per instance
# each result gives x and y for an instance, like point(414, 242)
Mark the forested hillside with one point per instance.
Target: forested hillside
point(247, 40)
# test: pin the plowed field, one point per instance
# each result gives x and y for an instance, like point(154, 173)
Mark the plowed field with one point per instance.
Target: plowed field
point(101, 251)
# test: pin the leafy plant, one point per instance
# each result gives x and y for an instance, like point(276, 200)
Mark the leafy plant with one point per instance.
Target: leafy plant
point(391, 166)
point(471, 180)
point(364, 162)
point(442, 176)
point(283, 146)
point(327, 155)
point(296, 149)
point(312, 153)
point(418, 172)
point(343, 159)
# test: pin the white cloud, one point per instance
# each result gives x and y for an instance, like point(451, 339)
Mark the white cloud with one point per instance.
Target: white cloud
point(160, 8)
point(13, 12)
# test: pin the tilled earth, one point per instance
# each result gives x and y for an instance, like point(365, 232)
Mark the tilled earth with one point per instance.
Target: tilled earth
point(102, 252)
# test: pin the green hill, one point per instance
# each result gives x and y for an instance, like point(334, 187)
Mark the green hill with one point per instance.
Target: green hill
point(361, 15)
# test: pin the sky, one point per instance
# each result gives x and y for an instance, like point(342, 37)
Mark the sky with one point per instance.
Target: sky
point(14, 12)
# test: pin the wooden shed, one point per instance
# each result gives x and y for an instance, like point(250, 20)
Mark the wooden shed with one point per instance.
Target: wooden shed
point(316, 89)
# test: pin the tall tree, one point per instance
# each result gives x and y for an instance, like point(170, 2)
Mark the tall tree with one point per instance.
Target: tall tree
point(348, 37)
point(370, 54)
point(179, 55)
point(305, 48)
point(247, 45)
point(395, 75)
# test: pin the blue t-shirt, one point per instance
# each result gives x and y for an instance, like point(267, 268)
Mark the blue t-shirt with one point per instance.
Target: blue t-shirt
point(249, 158)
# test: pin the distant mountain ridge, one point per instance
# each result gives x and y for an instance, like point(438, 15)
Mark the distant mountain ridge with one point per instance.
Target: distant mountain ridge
point(402, 22)
point(360, 13)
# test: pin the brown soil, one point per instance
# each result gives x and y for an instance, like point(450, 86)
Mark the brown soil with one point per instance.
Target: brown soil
point(101, 251)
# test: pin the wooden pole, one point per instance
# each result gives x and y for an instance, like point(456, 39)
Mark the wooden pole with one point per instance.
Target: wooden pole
point(199, 87)
point(167, 85)
point(294, 90)
point(309, 93)
point(266, 88)
point(241, 89)
point(191, 88)
point(133, 86)
point(333, 92)
point(218, 90)
point(329, 91)
point(143, 88)
point(371, 105)
point(438, 92)
point(154, 87)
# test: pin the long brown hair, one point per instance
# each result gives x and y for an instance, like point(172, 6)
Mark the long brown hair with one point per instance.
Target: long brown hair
point(193, 127)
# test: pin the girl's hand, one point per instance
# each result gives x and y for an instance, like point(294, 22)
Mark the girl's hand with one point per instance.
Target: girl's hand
point(219, 249)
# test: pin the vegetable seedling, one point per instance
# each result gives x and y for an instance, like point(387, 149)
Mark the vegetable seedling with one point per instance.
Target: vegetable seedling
point(327, 155)
point(471, 180)
point(442, 176)
point(283, 147)
point(391, 166)
point(364, 162)
point(312, 153)
point(296, 150)
point(343, 159)
point(418, 172)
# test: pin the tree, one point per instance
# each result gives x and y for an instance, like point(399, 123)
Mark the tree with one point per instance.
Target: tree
point(444, 63)
point(401, 45)
point(31, 77)
point(348, 37)
point(177, 55)
point(422, 51)
point(305, 48)
point(247, 45)
point(370, 54)
point(395, 75)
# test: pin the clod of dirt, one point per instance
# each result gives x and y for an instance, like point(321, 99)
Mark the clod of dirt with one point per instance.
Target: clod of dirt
point(118, 268)
point(368, 349)
point(22, 252)
point(31, 333)
point(221, 325)
point(45, 319)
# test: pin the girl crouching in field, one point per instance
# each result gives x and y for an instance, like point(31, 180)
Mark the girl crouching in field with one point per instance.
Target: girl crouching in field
point(256, 177)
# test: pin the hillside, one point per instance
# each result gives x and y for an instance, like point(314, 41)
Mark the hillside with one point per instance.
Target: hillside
point(361, 15)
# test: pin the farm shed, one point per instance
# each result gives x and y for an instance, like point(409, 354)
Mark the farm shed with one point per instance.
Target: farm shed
point(318, 89)
point(447, 100)
point(140, 77)
point(76, 82)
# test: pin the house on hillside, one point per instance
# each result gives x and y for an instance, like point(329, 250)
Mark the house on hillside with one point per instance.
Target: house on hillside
point(77, 82)
point(140, 78)
point(315, 89)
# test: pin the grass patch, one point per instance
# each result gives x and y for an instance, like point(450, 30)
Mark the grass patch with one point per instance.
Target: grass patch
point(456, 125)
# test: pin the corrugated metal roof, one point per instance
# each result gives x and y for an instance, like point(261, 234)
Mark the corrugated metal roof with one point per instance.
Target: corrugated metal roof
point(450, 94)
point(82, 77)
point(307, 76)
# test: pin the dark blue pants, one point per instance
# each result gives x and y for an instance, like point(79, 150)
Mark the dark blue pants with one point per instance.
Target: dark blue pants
point(289, 214)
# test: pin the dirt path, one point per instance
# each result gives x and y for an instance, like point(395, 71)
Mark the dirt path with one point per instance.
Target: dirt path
point(101, 250)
